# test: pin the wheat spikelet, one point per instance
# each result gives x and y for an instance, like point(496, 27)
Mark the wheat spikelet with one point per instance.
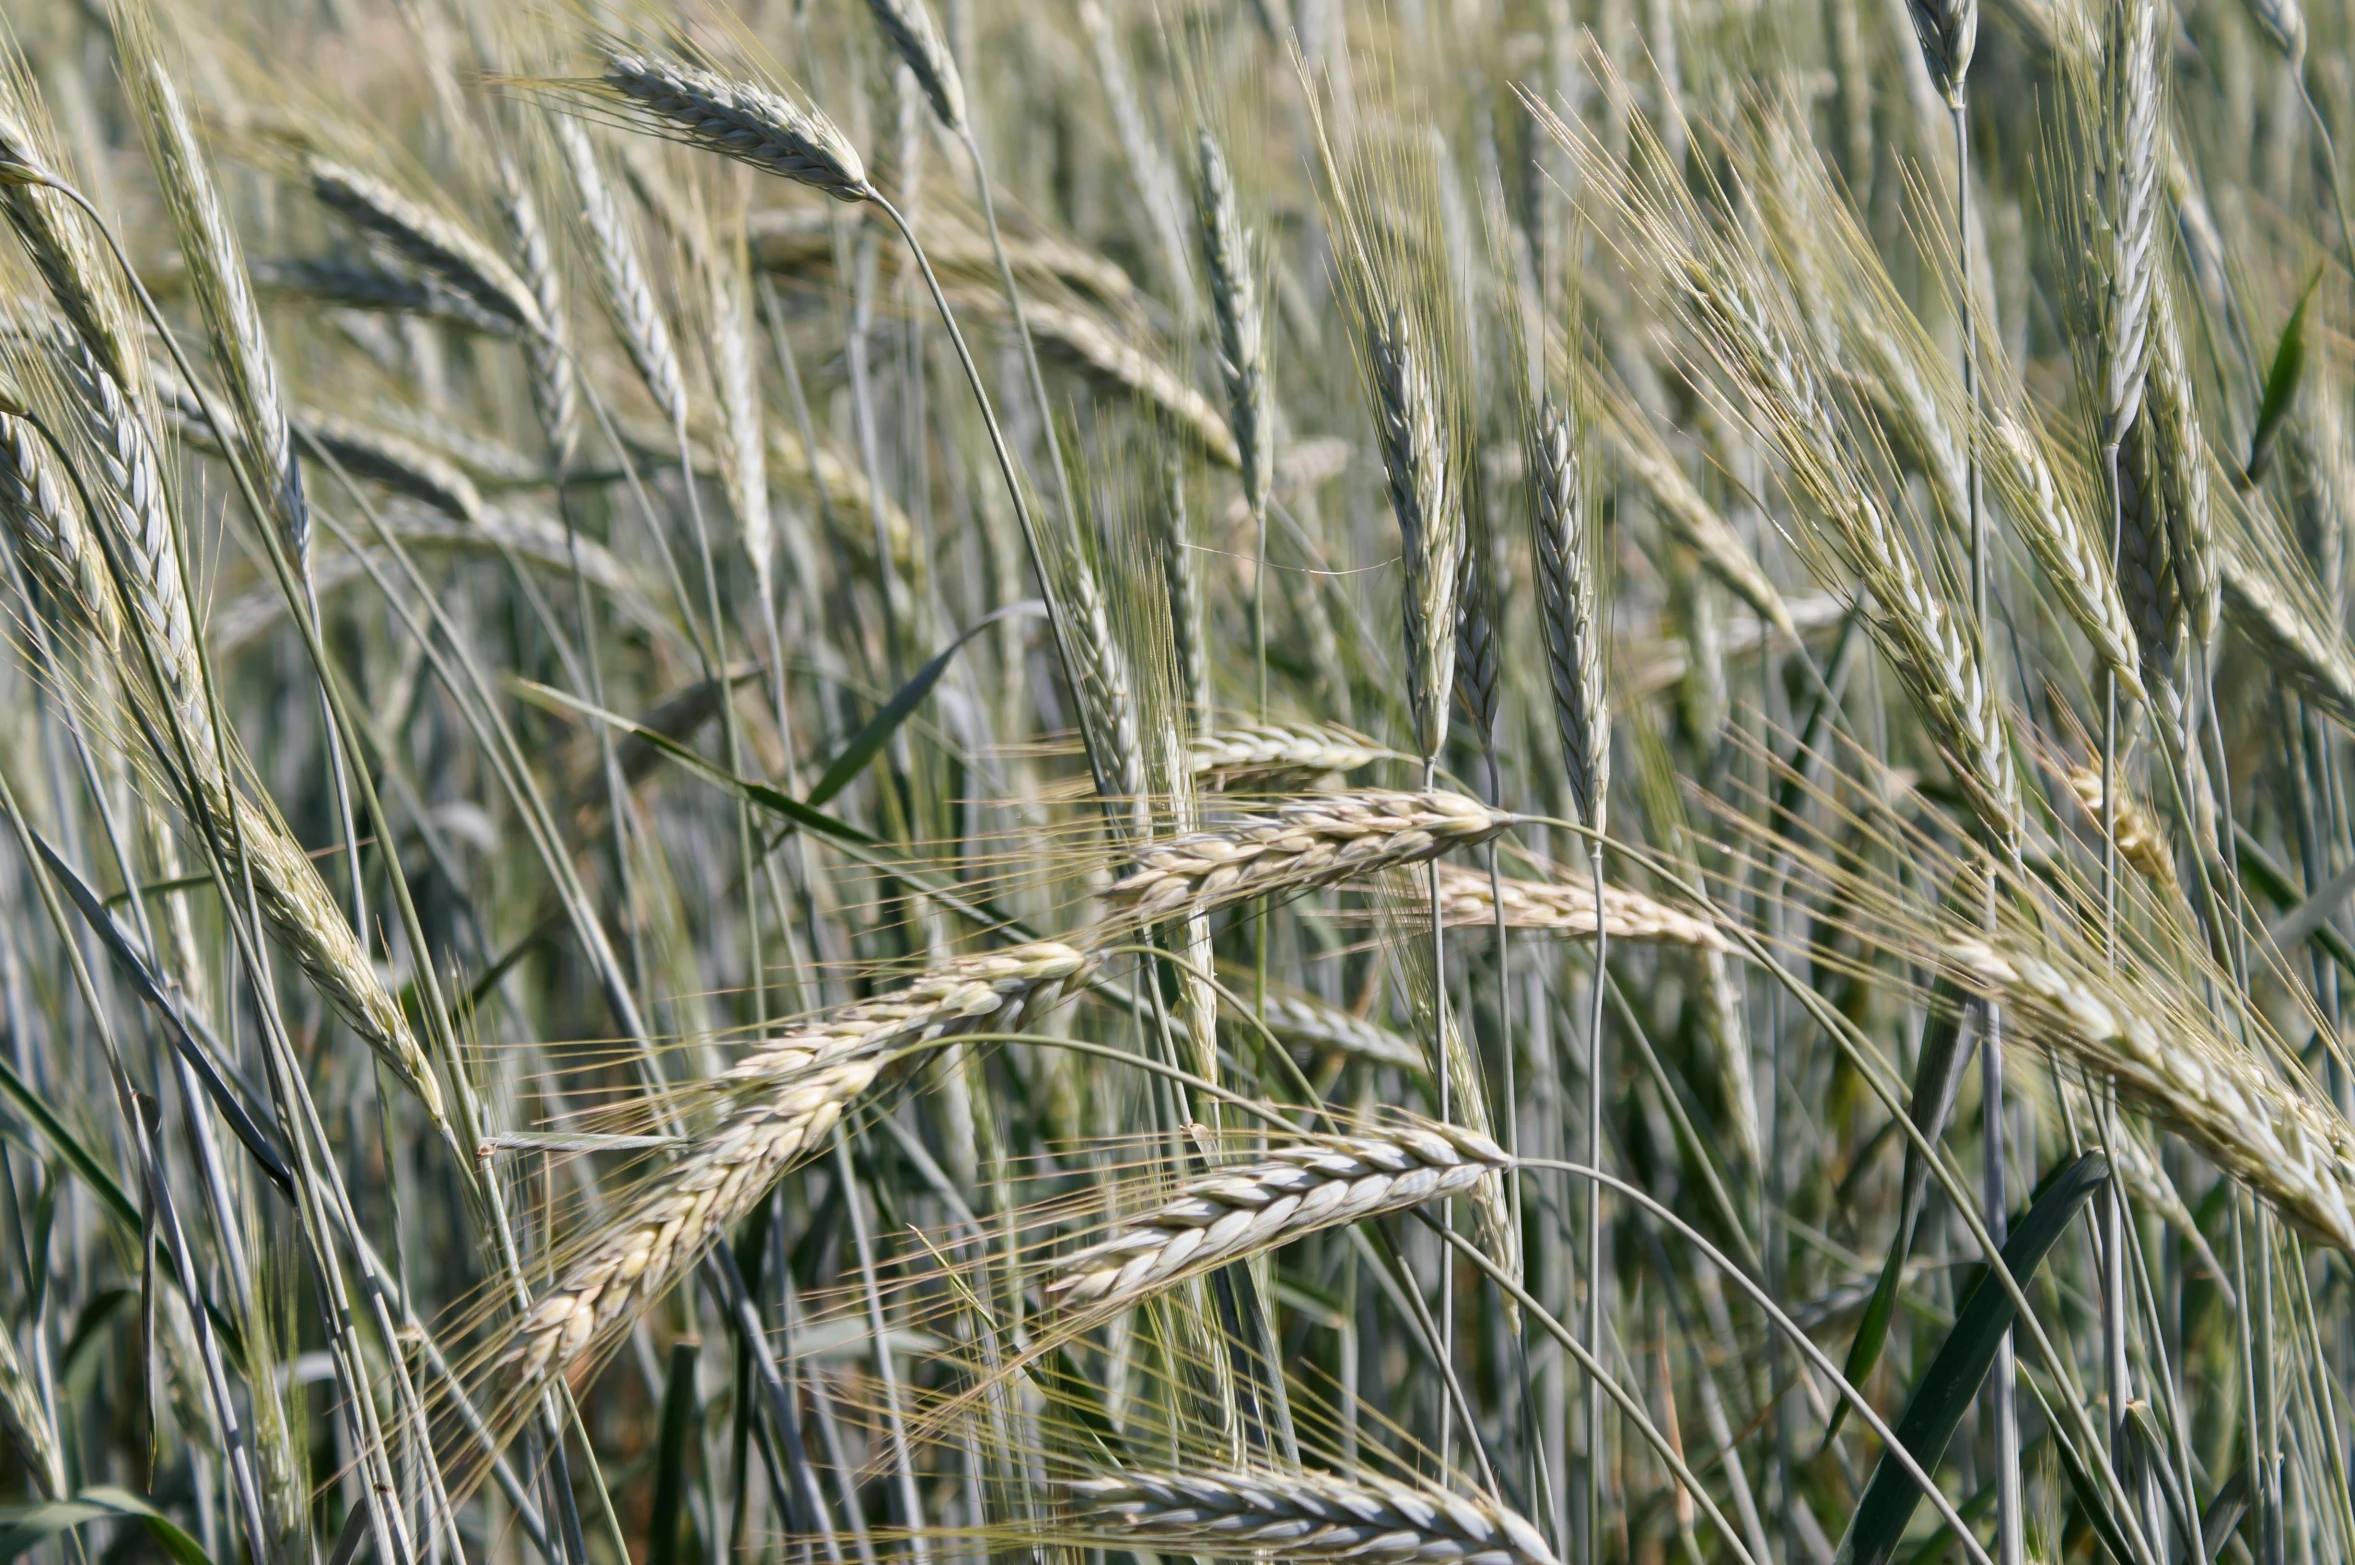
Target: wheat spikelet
point(1305, 1024)
point(1430, 522)
point(2141, 841)
point(2076, 565)
point(1234, 300)
point(52, 536)
point(1307, 1516)
point(1479, 652)
point(1949, 31)
point(129, 494)
point(1278, 757)
point(1567, 907)
point(1313, 842)
point(2276, 1138)
point(738, 119)
point(25, 1420)
point(776, 1104)
point(908, 26)
point(435, 242)
point(1566, 607)
point(637, 318)
point(1086, 344)
point(1246, 1210)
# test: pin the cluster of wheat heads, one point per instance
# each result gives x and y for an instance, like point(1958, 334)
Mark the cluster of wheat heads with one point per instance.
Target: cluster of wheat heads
point(1433, 780)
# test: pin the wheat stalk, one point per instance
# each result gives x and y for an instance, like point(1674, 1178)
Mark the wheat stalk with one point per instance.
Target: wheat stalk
point(1314, 842)
point(1251, 1208)
point(777, 1104)
point(1567, 907)
point(1278, 757)
point(2277, 1139)
point(1307, 1516)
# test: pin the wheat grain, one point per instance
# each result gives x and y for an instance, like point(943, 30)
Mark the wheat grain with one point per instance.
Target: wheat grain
point(776, 1105)
point(1313, 842)
point(1307, 1516)
point(2310, 655)
point(1681, 508)
point(555, 384)
point(1567, 907)
point(740, 120)
point(224, 293)
point(358, 285)
point(1238, 1212)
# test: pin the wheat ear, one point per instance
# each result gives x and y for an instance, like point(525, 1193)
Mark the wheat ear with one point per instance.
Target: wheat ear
point(2278, 1140)
point(1567, 907)
point(1566, 608)
point(908, 26)
point(1314, 842)
point(1306, 1024)
point(621, 275)
point(1234, 301)
point(1307, 1516)
point(1430, 524)
point(1279, 757)
point(737, 119)
point(1249, 1209)
point(776, 1105)
point(436, 242)
point(52, 536)
point(2142, 842)
point(2072, 560)
point(24, 1417)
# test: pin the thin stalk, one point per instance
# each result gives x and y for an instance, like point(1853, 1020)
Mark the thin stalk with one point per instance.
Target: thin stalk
point(1594, 1214)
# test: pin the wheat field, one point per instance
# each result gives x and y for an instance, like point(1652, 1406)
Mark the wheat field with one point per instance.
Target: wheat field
point(1425, 782)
